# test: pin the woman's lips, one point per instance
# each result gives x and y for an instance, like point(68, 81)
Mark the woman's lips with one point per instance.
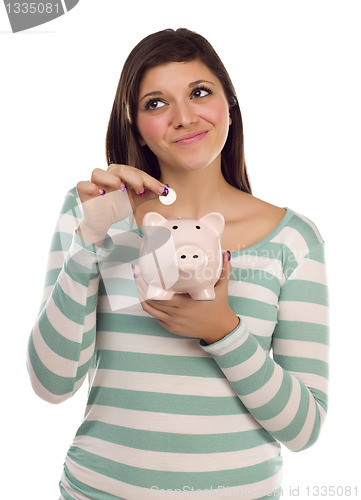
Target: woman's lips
point(191, 138)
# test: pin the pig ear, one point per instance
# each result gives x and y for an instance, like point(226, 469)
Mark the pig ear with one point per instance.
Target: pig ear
point(215, 220)
point(152, 219)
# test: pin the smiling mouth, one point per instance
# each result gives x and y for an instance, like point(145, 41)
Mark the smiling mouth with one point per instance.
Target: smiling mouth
point(191, 138)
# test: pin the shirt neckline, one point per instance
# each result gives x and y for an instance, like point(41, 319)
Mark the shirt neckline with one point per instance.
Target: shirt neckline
point(289, 213)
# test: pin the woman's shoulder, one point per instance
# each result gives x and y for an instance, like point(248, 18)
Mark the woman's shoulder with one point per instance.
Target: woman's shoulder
point(301, 231)
point(250, 220)
point(294, 239)
point(296, 233)
point(282, 225)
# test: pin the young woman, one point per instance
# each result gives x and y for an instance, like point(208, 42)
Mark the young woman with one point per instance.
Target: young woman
point(185, 398)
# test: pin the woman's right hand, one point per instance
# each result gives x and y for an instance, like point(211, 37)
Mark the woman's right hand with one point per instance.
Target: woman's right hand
point(112, 195)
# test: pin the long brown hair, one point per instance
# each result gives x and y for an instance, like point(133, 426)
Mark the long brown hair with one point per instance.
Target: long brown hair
point(181, 45)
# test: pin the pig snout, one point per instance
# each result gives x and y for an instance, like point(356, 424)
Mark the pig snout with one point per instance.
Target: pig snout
point(190, 258)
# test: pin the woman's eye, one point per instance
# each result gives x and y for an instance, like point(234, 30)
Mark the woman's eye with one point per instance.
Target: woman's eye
point(154, 104)
point(200, 92)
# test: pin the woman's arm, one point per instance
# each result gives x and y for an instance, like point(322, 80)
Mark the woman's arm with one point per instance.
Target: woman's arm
point(62, 340)
point(287, 395)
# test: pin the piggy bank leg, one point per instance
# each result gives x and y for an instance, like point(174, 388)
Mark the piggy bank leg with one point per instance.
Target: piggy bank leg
point(205, 294)
point(157, 293)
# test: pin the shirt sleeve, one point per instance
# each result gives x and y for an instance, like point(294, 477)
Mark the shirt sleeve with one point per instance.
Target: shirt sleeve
point(62, 340)
point(286, 393)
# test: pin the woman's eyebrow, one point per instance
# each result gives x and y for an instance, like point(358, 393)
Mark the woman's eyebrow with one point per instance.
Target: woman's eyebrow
point(156, 92)
point(192, 84)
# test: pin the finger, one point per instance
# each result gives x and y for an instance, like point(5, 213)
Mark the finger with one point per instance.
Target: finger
point(140, 284)
point(158, 315)
point(143, 287)
point(87, 190)
point(179, 300)
point(144, 195)
point(141, 296)
point(226, 268)
point(138, 180)
point(106, 180)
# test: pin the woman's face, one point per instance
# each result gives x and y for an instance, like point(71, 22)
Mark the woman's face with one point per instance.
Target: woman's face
point(183, 115)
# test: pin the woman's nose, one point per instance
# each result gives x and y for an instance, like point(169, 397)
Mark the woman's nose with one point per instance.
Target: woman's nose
point(183, 115)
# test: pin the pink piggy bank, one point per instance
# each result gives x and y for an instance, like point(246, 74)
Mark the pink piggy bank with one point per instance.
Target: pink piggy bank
point(181, 255)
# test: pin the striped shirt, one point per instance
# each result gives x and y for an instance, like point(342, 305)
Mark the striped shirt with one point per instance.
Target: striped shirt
point(171, 416)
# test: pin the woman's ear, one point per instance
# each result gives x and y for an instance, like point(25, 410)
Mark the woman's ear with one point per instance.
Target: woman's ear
point(230, 119)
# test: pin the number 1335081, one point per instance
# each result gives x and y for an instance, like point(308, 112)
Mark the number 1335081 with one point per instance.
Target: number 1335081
point(33, 8)
point(331, 491)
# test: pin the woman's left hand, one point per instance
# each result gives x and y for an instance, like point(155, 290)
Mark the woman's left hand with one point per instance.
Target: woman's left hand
point(210, 320)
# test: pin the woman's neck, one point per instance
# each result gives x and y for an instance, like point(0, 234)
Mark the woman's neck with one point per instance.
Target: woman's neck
point(198, 192)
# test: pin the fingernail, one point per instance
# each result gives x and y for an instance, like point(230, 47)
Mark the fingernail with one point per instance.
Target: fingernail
point(229, 255)
point(135, 276)
point(123, 187)
point(163, 191)
point(142, 192)
point(102, 192)
point(133, 266)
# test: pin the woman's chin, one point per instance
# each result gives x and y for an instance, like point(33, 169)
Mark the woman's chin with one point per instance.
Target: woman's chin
point(194, 164)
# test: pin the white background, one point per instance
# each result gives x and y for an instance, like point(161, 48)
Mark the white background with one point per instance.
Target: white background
point(295, 65)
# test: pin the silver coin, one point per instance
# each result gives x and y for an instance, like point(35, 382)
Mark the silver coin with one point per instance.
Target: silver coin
point(170, 198)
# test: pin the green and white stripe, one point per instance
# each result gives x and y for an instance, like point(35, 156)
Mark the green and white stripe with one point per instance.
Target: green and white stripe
point(167, 412)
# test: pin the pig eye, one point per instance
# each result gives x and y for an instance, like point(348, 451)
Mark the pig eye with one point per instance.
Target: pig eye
point(175, 227)
point(198, 227)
